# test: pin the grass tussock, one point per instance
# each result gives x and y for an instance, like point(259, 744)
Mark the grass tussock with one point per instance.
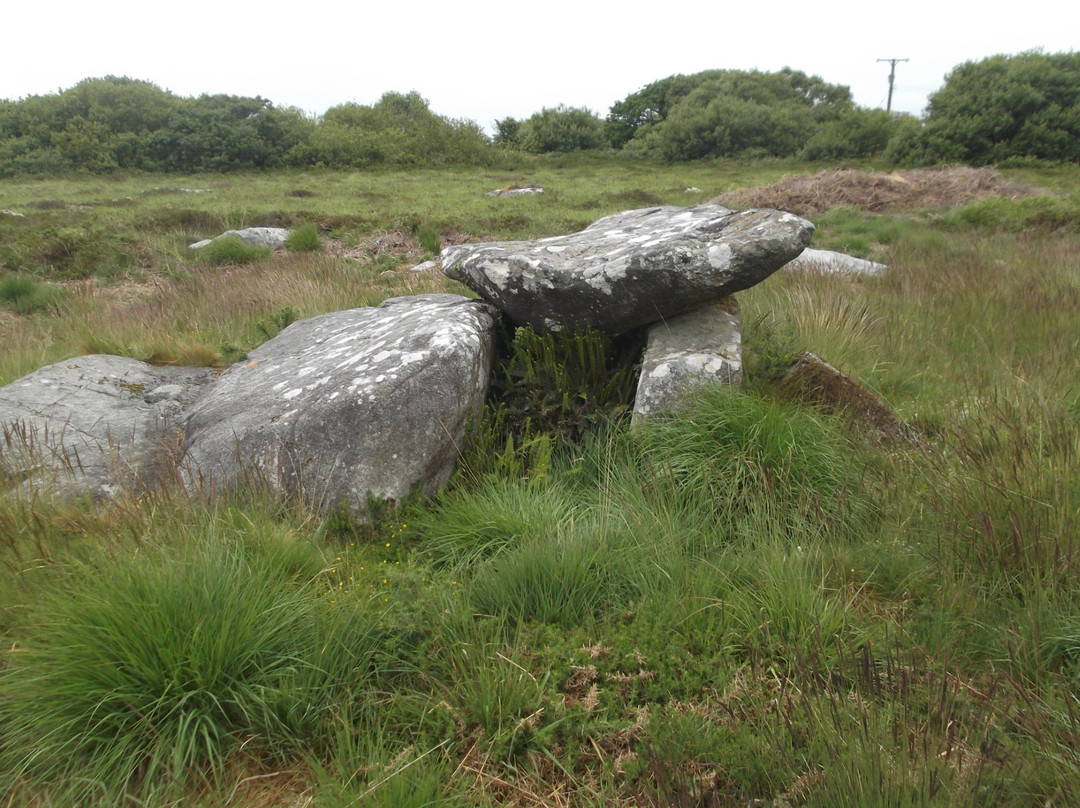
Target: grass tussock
point(304, 238)
point(231, 251)
point(24, 295)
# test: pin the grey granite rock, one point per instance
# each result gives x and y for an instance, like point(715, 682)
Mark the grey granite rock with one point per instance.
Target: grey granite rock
point(632, 268)
point(93, 425)
point(827, 262)
point(272, 237)
point(700, 346)
point(371, 401)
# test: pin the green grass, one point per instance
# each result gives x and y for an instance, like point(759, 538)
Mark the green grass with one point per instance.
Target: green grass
point(754, 601)
point(304, 238)
point(231, 250)
point(429, 239)
point(24, 295)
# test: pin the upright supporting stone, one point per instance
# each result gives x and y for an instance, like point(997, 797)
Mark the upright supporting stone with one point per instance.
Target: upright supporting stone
point(701, 346)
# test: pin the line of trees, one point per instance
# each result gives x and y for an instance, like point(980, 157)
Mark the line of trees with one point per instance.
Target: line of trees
point(115, 123)
point(1001, 108)
point(1023, 107)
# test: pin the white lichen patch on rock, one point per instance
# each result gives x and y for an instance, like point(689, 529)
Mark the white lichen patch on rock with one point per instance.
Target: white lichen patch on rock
point(719, 256)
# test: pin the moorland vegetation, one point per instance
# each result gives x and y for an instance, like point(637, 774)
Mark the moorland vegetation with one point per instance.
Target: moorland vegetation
point(757, 602)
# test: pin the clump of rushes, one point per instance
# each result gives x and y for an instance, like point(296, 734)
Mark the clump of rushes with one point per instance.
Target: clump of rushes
point(25, 295)
point(231, 250)
point(304, 238)
point(429, 239)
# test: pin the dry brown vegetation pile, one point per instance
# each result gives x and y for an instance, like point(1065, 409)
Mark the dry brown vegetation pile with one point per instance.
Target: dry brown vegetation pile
point(876, 192)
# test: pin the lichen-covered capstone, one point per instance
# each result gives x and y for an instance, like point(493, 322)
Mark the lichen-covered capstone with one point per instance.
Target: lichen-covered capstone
point(632, 268)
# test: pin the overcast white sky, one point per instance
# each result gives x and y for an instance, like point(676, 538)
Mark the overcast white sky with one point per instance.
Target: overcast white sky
point(483, 60)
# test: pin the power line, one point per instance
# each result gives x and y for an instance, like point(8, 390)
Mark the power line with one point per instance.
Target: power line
point(892, 77)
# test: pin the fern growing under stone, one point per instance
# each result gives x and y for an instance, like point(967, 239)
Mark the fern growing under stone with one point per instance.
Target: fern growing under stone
point(546, 392)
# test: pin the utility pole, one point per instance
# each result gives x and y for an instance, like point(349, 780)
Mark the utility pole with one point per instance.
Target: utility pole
point(892, 77)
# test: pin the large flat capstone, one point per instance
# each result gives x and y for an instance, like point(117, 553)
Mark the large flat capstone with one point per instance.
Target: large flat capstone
point(358, 403)
point(632, 268)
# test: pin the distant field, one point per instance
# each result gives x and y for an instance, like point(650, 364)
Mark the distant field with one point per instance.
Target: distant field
point(116, 243)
